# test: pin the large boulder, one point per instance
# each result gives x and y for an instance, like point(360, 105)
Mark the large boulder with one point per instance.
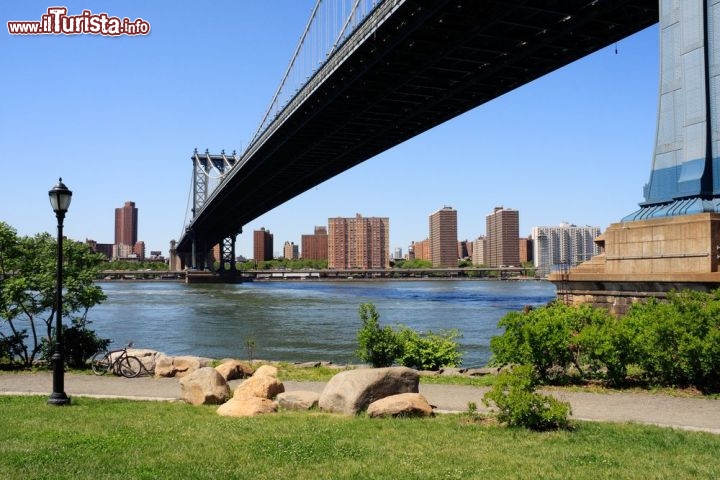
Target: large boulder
point(147, 357)
point(204, 386)
point(246, 407)
point(401, 405)
point(234, 369)
point(179, 366)
point(259, 386)
point(266, 371)
point(298, 400)
point(351, 391)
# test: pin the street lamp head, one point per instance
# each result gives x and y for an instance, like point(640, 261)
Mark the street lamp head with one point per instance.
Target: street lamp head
point(60, 197)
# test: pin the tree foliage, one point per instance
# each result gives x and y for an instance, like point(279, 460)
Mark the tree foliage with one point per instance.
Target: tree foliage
point(28, 269)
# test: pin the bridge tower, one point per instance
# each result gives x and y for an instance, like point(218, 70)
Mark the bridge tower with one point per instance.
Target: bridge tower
point(208, 171)
point(673, 240)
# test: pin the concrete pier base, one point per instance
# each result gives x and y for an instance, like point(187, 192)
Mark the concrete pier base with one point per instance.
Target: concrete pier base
point(213, 277)
point(646, 258)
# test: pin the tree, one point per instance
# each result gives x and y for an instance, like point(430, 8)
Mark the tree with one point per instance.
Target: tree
point(27, 290)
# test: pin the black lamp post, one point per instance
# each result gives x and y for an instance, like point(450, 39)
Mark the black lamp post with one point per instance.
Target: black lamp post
point(60, 197)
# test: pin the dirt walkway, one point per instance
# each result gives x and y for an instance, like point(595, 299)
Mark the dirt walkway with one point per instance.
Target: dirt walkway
point(686, 413)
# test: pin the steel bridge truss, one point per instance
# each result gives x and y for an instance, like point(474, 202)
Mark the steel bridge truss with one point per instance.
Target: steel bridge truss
point(209, 172)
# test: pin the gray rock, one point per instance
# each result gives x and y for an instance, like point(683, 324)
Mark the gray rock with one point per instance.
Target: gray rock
point(351, 391)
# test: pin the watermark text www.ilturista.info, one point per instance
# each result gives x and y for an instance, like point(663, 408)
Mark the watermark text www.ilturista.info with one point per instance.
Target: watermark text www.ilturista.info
point(57, 22)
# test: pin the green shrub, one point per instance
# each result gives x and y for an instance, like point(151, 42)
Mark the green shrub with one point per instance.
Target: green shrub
point(673, 342)
point(382, 346)
point(520, 406)
point(676, 341)
point(547, 337)
point(377, 346)
point(429, 351)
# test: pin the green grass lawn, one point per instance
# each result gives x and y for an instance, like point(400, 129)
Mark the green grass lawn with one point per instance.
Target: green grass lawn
point(103, 439)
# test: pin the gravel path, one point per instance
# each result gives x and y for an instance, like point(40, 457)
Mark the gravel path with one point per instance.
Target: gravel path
point(700, 414)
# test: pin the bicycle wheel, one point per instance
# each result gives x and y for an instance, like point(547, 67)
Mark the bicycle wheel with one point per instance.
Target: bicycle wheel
point(129, 367)
point(100, 363)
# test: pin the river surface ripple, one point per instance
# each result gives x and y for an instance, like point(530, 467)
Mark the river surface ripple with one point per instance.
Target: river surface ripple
point(304, 320)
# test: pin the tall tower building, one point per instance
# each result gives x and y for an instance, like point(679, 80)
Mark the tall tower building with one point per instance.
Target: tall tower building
point(262, 245)
point(503, 237)
point(315, 246)
point(359, 242)
point(443, 238)
point(126, 225)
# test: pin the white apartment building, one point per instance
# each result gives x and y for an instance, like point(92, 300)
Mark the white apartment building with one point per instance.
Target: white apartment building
point(563, 246)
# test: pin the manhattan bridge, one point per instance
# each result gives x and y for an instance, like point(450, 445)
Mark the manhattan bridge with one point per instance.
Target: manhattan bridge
point(367, 75)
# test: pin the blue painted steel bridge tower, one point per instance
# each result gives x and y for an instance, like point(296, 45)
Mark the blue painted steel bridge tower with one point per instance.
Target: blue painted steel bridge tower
point(685, 177)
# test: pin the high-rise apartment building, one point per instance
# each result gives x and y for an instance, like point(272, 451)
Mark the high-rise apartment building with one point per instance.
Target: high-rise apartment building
point(565, 245)
point(290, 251)
point(479, 249)
point(503, 237)
point(315, 246)
point(126, 225)
point(359, 242)
point(262, 245)
point(420, 250)
point(465, 249)
point(443, 238)
point(526, 250)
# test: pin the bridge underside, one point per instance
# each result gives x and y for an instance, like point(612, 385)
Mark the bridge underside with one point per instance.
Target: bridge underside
point(414, 65)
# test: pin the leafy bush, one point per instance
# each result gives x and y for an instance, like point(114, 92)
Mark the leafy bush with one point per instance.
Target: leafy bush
point(673, 342)
point(429, 351)
point(520, 406)
point(382, 346)
point(676, 341)
point(377, 346)
point(79, 344)
point(546, 337)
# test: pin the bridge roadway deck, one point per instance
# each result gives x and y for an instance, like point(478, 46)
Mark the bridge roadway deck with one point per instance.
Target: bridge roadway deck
point(410, 66)
point(700, 414)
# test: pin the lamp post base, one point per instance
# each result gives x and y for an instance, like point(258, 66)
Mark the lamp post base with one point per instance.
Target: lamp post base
point(59, 399)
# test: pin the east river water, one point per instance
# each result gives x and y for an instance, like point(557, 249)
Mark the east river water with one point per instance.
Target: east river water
point(304, 320)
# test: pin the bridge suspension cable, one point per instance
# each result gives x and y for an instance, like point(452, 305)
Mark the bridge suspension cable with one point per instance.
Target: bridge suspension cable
point(330, 23)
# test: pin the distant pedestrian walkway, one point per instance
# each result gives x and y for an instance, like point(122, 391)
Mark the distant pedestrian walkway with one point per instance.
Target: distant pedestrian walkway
point(700, 414)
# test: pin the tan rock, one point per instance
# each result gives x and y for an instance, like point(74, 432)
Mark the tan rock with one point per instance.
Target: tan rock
point(266, 371)
point(234, 369)
point(164, 367)
point(298, 400)
point(259, 386)
point(246, 407)
point(204, 386)
point(401, 405)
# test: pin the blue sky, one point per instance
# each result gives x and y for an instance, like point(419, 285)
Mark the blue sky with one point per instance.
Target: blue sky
point(118, 119)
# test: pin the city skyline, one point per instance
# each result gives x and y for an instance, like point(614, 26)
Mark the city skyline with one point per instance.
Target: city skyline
point(573, 146)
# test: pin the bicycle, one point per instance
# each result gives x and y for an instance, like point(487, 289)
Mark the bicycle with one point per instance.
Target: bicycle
point(117, 361)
